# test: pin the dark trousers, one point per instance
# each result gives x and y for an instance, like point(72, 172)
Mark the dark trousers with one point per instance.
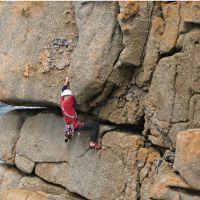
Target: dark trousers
point(93, 127)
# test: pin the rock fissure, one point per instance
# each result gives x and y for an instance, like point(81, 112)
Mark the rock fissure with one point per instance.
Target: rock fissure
point(149, 29)
point(134, 69)
point(189, 191)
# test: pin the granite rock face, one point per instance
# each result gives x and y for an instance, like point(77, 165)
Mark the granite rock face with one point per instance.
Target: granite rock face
point(56, 173)
point(187, 161)
point(114, 165)
point(10, 125)
point(134, 66)
point(97, 50)
point(41, 139)
point(171, 103)
point(37, 43)
point(118, 167)
point(134, 19)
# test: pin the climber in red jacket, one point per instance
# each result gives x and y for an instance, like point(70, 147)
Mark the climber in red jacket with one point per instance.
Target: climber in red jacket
point(67, 105)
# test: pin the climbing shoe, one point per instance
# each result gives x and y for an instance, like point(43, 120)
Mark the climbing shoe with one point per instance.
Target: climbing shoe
point(95, 145)
point(66, 140)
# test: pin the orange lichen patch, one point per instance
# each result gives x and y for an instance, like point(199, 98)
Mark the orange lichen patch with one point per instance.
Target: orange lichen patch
point(26, 9)
point(191, 12)
point(193, 4)
point(27, 69)
point(128, 10)
point(43, 57)
point(157, 25)
point(126, 28)
point(14, 194)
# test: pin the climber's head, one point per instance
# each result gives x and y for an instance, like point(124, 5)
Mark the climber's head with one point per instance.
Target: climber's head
point(66, 92)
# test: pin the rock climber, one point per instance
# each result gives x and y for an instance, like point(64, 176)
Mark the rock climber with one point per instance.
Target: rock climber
point(67, 105)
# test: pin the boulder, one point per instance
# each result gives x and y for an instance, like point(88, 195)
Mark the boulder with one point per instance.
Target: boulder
point(187, 160)
point(134, 19)
point(24, 164)
point(42, 139)
point(37, 43)
point(10, 125)
point(146, 158)
point(56, 173)
point(126, 106)
point(9, 178)
point(171, 13)
point(194, 110)
point(36, 184)
point(151, 57)
point(190, 12)
point(109, 173)
point(15, 194)
point(97, 50)
point(170, 186)
point(171, 105)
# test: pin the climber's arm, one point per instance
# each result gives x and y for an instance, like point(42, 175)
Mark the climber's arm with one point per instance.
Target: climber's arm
point(67, 80)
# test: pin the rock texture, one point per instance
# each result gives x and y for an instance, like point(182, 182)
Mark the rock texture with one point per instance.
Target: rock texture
point(36, 184)
point(98, 48)
point(134, 67)
point(134, 19)
point(116, 166)
point(16, 194)
point(41, 139)
point(187, 161)
point(23, 195)
point(10, 125)
point(167, 185)
point(56, 173)
point(37, 42)
point(116, 163)
point(15, 185)
point(170, 102)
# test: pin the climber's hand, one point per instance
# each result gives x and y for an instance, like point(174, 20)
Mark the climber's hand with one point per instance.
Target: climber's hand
point(67, 80)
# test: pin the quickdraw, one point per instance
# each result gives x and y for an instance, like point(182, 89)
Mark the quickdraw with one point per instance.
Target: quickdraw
point(69, 130)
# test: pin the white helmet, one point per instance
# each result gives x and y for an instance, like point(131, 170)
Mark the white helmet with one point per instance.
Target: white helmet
point(66, 92)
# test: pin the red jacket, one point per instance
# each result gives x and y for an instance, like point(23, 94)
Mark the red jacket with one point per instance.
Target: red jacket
point(68, 110)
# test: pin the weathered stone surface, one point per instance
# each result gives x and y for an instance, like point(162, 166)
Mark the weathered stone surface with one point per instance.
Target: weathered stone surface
point(19, 194)
point(187, 160)
point(9, 178)
point(190, 12)
point(175, 129)
point(146, 158)
point(171, 13)
point(97, 50)
point(134, 19)
point(152, 50)
point(37, 42)
point(10, 125)
point(24, 164)
point(16, 194)
point(170, 186)
point(36, 184)
point(194, 111)
point(42, 139)
point(126, 106)
point(113, 169)
point(56, 173)
point(171, 107)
